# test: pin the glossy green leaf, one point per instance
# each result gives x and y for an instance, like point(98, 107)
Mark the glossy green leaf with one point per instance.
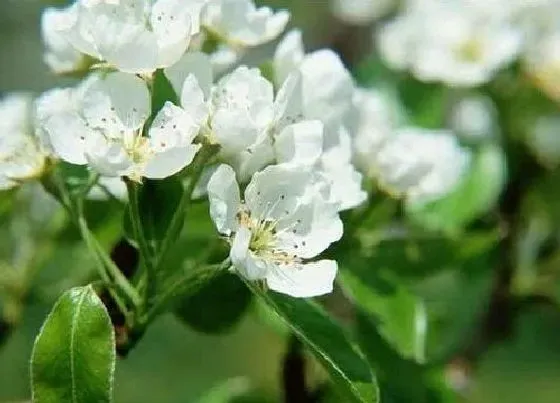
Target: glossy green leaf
point(325, 338)
point(217, 306)
point(475, 195)
point(73, 358)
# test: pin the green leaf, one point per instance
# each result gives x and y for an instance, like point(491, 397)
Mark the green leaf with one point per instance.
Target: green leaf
point(325, 338)
point(157, 202)
point(73, 359)
point(525, 367)
point(217, 306)
point(397, 311)
point(424, 102)
point(476, 194)
point(226, 391)
point(400, 379)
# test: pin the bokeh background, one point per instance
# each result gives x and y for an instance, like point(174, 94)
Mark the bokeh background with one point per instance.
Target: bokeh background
point(175, 364)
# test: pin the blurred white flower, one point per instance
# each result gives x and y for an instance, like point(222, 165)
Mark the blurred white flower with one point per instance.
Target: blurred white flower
point(361, 12)
point(135, 36)
point(454, 42)
point(374, 118)
point(105, 130)
point(61, 56)
point(542, 62)
point(421, 165)
point(281, 223)
point(544, 140)
point(474, 117)
point(21, 155)
point(239, 23)
point(317, 86)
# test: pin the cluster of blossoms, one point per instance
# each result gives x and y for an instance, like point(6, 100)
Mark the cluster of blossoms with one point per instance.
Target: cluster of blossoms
point(296, 140)
point(464, 43)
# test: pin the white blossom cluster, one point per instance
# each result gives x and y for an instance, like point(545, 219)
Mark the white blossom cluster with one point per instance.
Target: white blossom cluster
point(21, 155)
point(460, 42)
point(295, 140)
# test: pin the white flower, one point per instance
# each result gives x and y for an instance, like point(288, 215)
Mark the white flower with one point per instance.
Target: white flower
point(542, 61)
point(450, 42)
point(136, 36)
point(21, 157)
point(241, 109)
point(421, 165)
point(329, 152)
point(374, 117)
point(106, 130)
point(61, 56)
point(326, 86)
point(361, 12)
point(280, 224)
point(240, 23)
point(474, 117)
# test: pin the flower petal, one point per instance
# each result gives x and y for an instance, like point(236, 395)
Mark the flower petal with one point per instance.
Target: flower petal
point(225, 201)
point(195, 63)
point(275, 192)
point(170, 161)
point(303, 281)
point(300, 143)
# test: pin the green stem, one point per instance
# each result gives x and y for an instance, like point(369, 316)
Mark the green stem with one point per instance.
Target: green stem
point(205, 154)
point(187, 285)
point(107, 270)
point(140, 237)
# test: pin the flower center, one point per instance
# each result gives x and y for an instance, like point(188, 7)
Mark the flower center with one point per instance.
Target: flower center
point(137, 147)
point(470, 50)
point(264, 241)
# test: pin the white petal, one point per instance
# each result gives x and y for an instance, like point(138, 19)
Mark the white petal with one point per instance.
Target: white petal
point(241, 23)
point(327, 87)
point(61, 56)
point(68, 135)
point(130, 98)
point(195, 63)
point(172, 24)
point(243, 103)
point(107, 157)
point(249, 266)
point(192, 100)
point(172, 127)
point(225, 200)
point(311, 229)
point(303, 281)
point(288, 55)
point(275, 192)
point(301, 143)
point(254, 158)
point(288, 105)
point(129, 47)
point(170, 161)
